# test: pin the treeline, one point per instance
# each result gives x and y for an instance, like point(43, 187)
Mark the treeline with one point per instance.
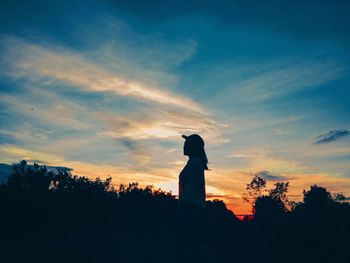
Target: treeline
point(54, 216)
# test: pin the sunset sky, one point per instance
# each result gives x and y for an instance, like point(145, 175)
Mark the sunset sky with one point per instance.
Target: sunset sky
point(108, 87)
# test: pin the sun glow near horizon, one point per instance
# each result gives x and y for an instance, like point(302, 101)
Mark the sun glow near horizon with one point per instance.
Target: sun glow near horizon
point(227, 185)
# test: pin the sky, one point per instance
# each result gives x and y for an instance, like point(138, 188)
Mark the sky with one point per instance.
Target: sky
point(108, 87)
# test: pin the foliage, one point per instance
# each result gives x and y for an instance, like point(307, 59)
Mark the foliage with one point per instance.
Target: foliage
point(267, 203)
point(254, 189)
point(54, 216)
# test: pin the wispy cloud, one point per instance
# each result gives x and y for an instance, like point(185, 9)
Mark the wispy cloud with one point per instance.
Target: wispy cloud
point(14, 153)
point(100, 131)
point(270, 177)
point(55, 110)
point(127, 112)
point(258, 82)
point(45, 118)
point(158, 124)
point(36, 62)
point(331, 136)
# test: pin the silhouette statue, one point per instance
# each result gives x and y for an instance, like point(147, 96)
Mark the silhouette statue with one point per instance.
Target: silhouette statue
point(191, 178)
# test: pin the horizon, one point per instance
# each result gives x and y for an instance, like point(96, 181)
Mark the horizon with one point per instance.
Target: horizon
point(109, 88)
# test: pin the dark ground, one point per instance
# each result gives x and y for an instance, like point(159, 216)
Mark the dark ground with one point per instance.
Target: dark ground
point(57, 217)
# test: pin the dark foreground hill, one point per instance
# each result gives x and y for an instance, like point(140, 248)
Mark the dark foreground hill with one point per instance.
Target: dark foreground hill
point(57, 217)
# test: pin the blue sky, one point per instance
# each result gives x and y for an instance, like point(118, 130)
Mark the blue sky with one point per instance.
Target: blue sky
point(108, 87)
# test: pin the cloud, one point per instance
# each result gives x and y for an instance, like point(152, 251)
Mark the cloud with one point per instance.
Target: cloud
point(270, 177)
point(38, 63)
point(332, 136)
point(14, 153)
point(67, 126)
point(264, 81)
point(50, 108)
point(158, 123)
point(67, 98)
point(247, 154)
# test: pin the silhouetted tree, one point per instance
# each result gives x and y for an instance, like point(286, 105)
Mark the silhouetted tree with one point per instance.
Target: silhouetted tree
point(254, 189)
point(29, 178)
point(272, 207)
point(50, 215)
point(267, 205)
